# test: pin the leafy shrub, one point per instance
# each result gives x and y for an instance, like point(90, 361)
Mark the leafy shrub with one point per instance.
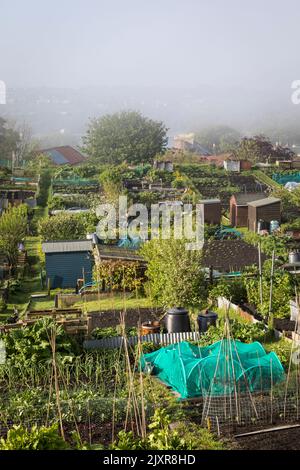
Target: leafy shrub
point(283, 350)
point(19, 438)
point(111, 331)
point(44, 185)
point(32, 344)
point(66, 226)
point(283, 291)
point(14, 286)
point(100, 333)
point(148, 347)
point(180, 282)
point(119, 275)
point(233, 290)
point(161, 437)
point(3, 304)
point(245, 332)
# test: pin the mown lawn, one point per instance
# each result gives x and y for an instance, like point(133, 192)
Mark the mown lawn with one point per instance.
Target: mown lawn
point(114, 301)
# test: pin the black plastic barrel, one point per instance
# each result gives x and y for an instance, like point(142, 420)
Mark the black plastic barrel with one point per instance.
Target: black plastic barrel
point(206, 319)
point(177, 320)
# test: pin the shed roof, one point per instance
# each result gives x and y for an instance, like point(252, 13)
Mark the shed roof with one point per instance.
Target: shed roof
point(67, 246)
point(264, 202)
point(242, 199)
point(116, 252)
point(64, 155)
point(229, 255)
point(210, 201)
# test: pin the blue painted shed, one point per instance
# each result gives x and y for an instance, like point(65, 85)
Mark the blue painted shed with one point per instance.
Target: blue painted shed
point(66, 260)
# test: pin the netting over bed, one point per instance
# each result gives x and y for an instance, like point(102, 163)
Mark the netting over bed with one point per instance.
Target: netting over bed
point(223, 368)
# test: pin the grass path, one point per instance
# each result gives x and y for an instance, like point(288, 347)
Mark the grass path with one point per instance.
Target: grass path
point(30, 282)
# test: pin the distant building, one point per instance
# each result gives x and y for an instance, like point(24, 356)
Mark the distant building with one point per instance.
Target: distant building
point(188, 142)
point(236, 165)
point(232, 165)
point(64, 155)
point(68, 261)
point(239, 207)
point(293, 164)
point(267, 209)
point(163, 166)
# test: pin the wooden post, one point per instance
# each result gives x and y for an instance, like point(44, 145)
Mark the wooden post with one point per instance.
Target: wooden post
point(48, 286)
point(84, 294)
point(260, 275)
point(270, 316)
point(211, 275)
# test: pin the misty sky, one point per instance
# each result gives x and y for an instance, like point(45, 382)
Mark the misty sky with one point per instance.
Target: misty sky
point(167, 43)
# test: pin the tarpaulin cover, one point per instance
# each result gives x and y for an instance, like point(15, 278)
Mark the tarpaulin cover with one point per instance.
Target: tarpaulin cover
point(223, 368)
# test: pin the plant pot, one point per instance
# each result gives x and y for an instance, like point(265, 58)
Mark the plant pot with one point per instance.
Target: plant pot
point(150, 327)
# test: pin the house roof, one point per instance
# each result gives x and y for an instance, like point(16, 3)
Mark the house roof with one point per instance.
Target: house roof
point(264, 202)
point(64, 155)
point(229, 255)
point(67, 246)
point(242, 199)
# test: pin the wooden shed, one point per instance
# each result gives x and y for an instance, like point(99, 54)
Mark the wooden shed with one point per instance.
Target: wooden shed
point(66, 261)
point(212, 211)
point(239, 207)
point(264, 209)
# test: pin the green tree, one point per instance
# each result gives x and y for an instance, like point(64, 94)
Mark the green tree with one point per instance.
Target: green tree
point(111, 181)
point(13, 228)
point(64, 226)
point(126, 136)
point(9, 140)
point(218, 139)
point(260, 149)
point(175, 274)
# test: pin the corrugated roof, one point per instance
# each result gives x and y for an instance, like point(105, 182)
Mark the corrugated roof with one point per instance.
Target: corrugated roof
point(242, 199)
point(64, 155)
point(67, 246)
point(264, 202)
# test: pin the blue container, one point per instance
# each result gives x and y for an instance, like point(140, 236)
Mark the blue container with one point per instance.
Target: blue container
point(207, 319)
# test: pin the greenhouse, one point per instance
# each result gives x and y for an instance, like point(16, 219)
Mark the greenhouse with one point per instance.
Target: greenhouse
point(223, 368)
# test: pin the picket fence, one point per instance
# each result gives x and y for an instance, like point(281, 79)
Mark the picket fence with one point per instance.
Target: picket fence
point(157, 338)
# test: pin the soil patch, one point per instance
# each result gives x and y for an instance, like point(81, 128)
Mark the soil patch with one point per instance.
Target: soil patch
point(287, 439)
point(133, 317)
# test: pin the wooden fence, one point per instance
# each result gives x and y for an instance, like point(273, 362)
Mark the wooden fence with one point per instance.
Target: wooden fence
point(162, 339)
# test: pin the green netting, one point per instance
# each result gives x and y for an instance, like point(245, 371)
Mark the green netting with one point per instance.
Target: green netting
point(223, 368)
